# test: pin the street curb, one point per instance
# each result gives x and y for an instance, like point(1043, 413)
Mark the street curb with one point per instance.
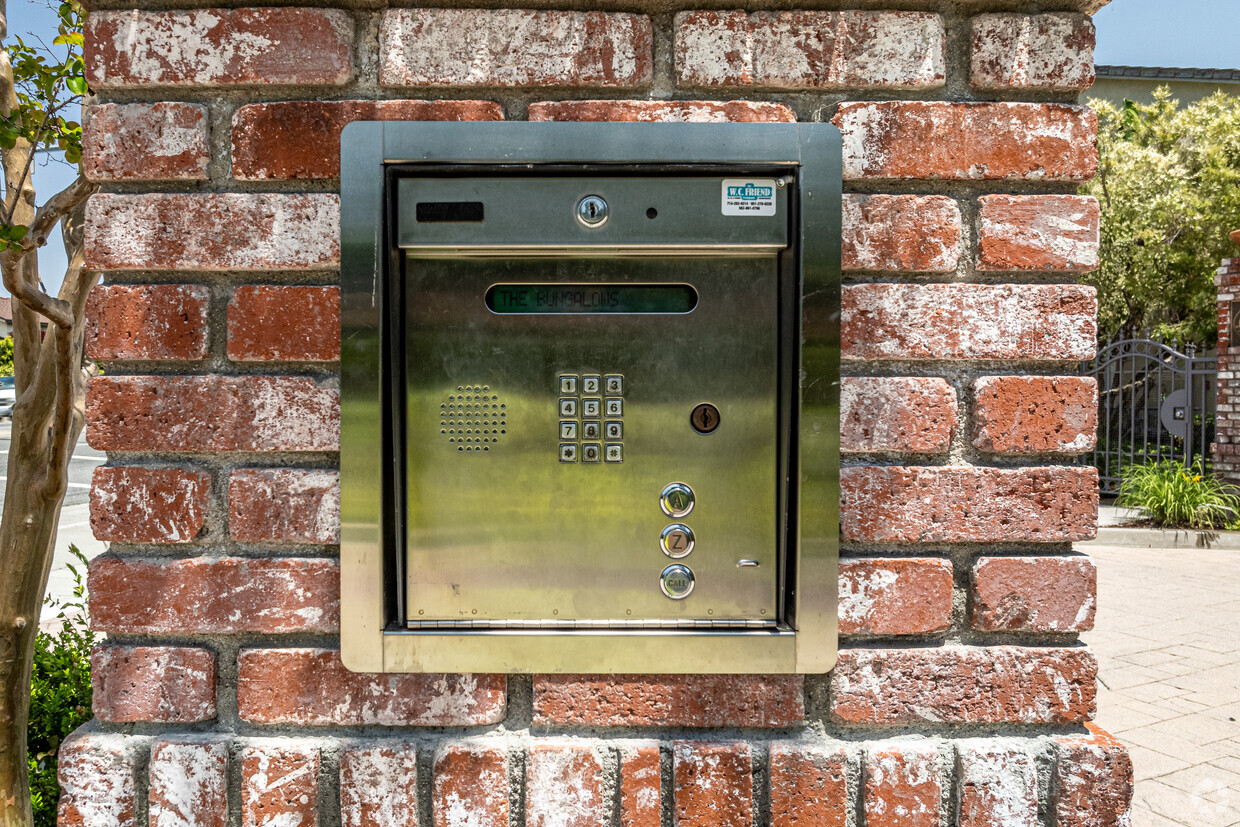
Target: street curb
point(1166, 538)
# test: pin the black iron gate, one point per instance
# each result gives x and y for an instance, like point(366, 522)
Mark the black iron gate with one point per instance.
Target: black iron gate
point(1154, 403)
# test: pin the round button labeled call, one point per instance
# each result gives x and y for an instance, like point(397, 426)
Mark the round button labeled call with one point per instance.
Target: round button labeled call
point(676, 541)
point(676, 500)
point(676, 581)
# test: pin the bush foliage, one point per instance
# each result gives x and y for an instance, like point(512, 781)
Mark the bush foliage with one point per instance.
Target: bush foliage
point(1175, 496)
point(1169, 185)
point(60, 694)
point(6, 356)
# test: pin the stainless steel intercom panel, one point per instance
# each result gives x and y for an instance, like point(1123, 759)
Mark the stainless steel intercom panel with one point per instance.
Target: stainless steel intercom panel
point(589, 397)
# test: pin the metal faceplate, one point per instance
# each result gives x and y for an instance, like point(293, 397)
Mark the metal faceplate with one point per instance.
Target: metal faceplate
point(589, 398)
point(541, 430)
point(502, 525)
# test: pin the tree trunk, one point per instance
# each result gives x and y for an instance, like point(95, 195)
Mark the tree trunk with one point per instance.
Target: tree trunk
point(47, 421)
point(27, 541)
point(32, 501)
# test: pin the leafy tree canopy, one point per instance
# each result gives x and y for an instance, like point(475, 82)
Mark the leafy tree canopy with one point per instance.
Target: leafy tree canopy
point(1169, 185)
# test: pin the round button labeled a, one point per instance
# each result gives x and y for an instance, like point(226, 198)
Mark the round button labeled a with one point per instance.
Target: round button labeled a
point(676, 500)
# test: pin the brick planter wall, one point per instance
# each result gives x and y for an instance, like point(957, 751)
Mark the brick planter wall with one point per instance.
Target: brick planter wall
point(1227, 413)
point(963, 694)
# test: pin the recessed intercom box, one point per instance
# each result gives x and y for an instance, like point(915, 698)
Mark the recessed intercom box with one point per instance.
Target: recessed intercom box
point(590, 390)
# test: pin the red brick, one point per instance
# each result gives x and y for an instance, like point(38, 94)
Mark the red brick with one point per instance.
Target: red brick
point(211, 413)
point(511, 47)
point(998, 784)
point(284, 505)
point(643, 111)
point(272, 323)
point(899, 415)
point(883, 596)
point(1039, 232)
point(147, 321)
point(1033, 51)
point(216, 595)
point(895, 504)
point(968, 321)
point(148, 505)
point(259, 46)
point(669, 700)
point(641, 784)
point(292, 140)
point(963, 685)
point(1033, 594)
point(213, 231)
point(1093, 781)
point(98, 775)
point(470, 786)
point(161, 684)
point(810, 49)
point(189, 784)
point(903, 785)
point(311, 687)
point(379, 786)
point(809, 786)
point(564, 786)
point(163, 141)
point(901, 233)
point(713, 784)
point(280, 785)
point(1035, 414)
point(899, 140)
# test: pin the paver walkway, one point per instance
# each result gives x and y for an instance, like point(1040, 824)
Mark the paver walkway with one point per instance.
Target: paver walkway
point(1167, 638)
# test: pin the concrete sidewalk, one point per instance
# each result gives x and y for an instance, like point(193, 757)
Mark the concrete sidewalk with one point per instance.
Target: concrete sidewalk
point(74, 529)
point(1168, 642)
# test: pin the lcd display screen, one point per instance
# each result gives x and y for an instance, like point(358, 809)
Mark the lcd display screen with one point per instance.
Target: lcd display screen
point(519, 299)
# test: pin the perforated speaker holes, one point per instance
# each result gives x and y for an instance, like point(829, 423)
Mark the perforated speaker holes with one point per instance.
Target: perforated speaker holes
point(473, 419)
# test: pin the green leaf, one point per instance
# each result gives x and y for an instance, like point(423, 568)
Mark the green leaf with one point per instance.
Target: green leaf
point(76, 85)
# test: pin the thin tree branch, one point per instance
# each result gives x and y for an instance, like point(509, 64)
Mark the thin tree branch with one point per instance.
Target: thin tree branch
point(25, 176)
point(56, 208)
point(38, 139)
point(54, 310)
point(70, 379)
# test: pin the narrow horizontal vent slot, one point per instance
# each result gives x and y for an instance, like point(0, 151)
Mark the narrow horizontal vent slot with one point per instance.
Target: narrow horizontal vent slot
point(443, 211)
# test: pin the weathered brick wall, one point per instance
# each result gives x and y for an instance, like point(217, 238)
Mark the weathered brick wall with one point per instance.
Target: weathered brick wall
point(1227, 413)
point(962, 693)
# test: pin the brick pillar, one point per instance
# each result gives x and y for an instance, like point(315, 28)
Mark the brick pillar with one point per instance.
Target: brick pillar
point(215, 140)
point(1227, 414)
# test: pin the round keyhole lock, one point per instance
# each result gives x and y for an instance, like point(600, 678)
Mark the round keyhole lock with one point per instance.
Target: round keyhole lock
point(592, 211)
point(705, 418)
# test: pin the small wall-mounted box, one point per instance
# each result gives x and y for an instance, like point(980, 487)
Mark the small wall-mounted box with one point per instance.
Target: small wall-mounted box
point(590, 397)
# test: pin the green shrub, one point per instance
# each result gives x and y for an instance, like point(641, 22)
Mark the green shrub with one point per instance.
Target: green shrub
point(60, 694)
point(1175, 496)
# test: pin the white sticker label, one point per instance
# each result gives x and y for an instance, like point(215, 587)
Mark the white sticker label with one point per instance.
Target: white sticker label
point(748, 196)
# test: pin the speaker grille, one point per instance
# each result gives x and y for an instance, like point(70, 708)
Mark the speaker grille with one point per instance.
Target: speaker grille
point(473, 419)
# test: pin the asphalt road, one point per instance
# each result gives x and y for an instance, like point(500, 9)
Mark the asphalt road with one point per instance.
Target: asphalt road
point(81, 466)
point(74, 527)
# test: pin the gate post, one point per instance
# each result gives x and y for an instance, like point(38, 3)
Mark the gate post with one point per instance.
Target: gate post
point(1226, 447)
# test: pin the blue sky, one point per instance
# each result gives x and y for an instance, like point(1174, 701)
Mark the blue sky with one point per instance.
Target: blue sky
point(1182, 33)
